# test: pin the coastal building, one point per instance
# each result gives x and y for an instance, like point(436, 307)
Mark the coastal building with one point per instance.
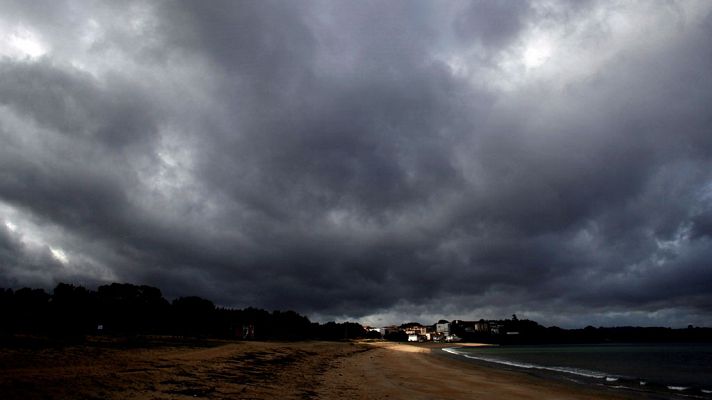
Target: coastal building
point(418, 338)
point(389, 329)
point(415, 329)
point(444, 331)
point(443, 327)
point(482, 326)
point(496, 328)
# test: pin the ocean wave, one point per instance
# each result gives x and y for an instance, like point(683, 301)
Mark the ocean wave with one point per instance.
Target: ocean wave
point(567, 370)
point(606, 379)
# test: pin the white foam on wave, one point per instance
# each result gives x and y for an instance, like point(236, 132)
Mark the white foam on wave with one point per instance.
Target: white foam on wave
point(678, 388)
point(611, 379)
point(567, 370)
point(705, 391)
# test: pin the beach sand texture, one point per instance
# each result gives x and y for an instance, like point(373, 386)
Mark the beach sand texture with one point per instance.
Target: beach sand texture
point(263, 370)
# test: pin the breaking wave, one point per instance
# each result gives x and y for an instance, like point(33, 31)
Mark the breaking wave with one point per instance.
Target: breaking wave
point(567, 370)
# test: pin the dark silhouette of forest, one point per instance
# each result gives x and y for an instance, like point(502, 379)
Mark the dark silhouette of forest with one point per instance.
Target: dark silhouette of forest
point(72, 313)
point(121, 309)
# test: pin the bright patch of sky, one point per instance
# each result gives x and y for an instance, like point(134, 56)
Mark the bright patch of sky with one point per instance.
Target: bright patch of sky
point(39, 241)
point(10, 226)
point(537, 52)
point(59, 255)
point(24, 230)
point(558, 53)
point(21, 43)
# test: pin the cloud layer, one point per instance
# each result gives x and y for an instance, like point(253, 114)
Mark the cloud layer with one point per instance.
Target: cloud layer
point(379, 161)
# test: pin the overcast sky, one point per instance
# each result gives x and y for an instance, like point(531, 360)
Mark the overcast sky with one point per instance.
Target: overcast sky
point(375, 161)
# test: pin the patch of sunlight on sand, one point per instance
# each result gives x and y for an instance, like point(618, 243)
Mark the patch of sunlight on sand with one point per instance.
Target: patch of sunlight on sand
point(427, 348)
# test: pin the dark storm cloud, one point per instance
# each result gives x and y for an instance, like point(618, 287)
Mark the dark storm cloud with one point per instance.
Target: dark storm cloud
point(73, 104)
point(371, 160)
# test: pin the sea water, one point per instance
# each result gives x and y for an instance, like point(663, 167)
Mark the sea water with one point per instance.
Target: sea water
point(667, 370)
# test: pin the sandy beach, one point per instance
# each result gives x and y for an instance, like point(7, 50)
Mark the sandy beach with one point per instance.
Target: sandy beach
point(263, 370)
point(403, 371)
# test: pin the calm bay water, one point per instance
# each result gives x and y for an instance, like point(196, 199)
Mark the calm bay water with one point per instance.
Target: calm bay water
point(683, 370)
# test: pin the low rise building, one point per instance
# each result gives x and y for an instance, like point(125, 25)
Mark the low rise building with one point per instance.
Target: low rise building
point(443, 327)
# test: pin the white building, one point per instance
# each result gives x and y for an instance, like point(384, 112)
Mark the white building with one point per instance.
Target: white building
point(443, 328)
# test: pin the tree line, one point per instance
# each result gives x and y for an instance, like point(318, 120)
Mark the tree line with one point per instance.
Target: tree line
point(524, 331)
point(73, 312)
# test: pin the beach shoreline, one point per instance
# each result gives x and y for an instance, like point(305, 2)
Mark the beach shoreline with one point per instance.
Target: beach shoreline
point(575, 365)
point(406, 371)
point(266, 370)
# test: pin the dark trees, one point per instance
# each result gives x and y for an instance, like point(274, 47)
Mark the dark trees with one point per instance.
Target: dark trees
point(71, 312)
point(193, 316)
point(131, 309)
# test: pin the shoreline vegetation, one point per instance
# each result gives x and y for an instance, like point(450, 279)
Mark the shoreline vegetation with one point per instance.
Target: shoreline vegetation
point(71, 313)
point(165, 368)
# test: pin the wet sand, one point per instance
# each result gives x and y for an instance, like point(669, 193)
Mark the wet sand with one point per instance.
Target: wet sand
point(262, 370)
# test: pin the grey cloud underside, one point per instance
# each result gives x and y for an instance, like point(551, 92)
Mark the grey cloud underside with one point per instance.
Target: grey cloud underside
point(323, 157)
